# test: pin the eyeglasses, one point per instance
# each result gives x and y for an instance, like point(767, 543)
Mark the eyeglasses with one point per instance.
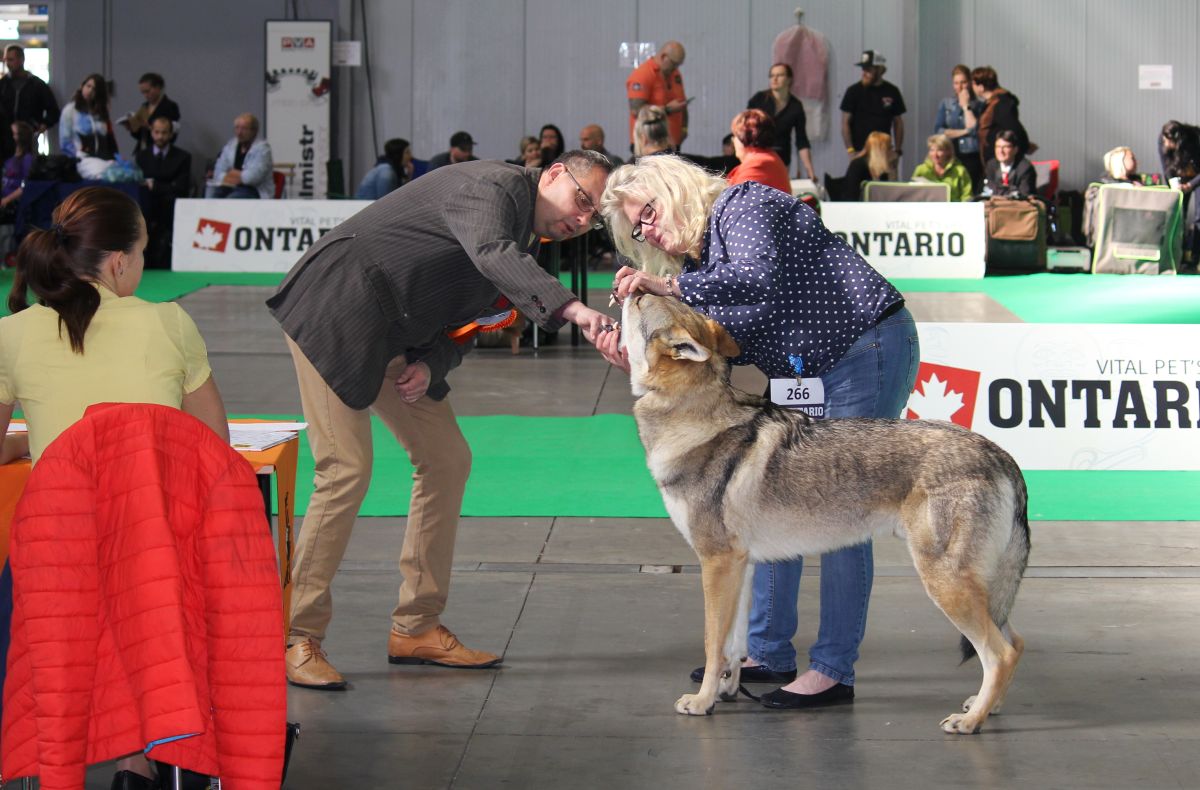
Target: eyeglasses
point(647, 217)
point(584, 203)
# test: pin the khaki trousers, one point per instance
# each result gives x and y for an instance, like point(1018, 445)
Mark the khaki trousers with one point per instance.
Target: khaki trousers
point(340, 438)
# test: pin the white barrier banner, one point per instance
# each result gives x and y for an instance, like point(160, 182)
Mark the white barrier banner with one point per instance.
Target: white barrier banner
point(913, 239)
point(252, 235)
point(297, 100)
point(1068, 396)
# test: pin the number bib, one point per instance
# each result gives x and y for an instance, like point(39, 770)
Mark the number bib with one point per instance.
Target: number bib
point(807, 395)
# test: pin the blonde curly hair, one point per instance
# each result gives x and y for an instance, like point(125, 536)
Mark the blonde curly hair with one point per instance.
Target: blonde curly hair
point(683, 195)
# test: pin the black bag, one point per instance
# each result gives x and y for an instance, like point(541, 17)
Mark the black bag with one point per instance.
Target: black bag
point(55, 167)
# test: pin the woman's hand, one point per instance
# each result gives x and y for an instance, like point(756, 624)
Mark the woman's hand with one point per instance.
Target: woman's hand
point(629, 280)
point(609, 346)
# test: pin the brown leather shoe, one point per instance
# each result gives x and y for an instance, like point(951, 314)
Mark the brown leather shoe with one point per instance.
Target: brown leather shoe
point(307, 667)
point(437, 646)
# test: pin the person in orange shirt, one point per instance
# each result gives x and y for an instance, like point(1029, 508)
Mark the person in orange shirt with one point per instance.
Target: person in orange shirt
point(658, 81)
point(753, 133)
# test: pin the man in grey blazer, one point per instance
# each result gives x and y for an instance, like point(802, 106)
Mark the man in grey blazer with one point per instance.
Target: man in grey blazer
point(366, 313)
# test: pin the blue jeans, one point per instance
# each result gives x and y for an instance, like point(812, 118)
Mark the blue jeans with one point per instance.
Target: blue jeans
point(873, 379)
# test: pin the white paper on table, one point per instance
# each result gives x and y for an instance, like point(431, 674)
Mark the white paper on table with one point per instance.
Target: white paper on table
point(257, 440)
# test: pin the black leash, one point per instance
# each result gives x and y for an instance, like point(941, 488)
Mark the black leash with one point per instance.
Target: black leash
point(743, 690)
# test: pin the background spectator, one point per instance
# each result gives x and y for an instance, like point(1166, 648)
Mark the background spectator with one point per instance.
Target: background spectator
point(1009, 174)
point(529, 153)
point(156, 105)
point(168, 173)
point(652, 134)
point(86, 128)
point(551, 140)
point(17, 166)
point(1121, 167)
point(875, 162)
point(752, 136)
point(871, 105)
point(956, 119)
point(1001, 112)
point(24, 97)
point(591, 138)
point(245, 168)
point(941, 167)
point(392, 170)
point(658, 82)
point(462, 148)
point(787, 113)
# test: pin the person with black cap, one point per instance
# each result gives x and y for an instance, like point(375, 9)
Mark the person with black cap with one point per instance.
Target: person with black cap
point(462, 149)
point(872, 105)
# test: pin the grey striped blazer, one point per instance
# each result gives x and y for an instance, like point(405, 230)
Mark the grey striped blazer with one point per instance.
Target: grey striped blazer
point(432, 255)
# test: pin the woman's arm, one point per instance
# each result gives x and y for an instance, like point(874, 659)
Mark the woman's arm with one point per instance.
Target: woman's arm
point(205, 404)
point(15, 446)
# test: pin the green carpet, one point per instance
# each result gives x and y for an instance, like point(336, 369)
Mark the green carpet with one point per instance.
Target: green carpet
point(533, 466)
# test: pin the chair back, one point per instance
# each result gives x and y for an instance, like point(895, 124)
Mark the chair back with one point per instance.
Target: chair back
point(1047, 178)
point(905, 192)
point(280, 183)
point(1138, 230)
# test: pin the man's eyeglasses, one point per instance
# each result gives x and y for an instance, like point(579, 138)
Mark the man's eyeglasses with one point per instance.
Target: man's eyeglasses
point(584, 203)
point(646, 217)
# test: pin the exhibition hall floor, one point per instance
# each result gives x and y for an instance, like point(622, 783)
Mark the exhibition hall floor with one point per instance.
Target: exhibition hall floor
point(599, 620)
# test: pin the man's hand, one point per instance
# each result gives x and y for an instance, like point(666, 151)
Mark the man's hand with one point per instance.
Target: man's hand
point(592, 322)
point(609, 345)
point(413, 382)
point(675, 105)
point(629, 280)
point(232, 178)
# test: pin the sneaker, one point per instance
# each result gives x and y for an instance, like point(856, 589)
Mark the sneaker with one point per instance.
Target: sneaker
point(308, 668)
point(437, 646)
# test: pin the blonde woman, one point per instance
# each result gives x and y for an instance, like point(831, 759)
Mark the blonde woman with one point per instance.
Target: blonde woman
point(941, 167)
point(875, 162)
point(799, 302)
point(1120, 167)
point(651, 132)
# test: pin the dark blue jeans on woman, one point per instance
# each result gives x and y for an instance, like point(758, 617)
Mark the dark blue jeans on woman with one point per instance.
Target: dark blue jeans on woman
point(873, 379)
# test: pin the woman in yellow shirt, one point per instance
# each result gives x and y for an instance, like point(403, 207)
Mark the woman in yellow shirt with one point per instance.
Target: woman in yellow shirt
point(89, 340)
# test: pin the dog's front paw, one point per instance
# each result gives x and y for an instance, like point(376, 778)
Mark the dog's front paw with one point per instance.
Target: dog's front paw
point(694, 705)
point(960, 724)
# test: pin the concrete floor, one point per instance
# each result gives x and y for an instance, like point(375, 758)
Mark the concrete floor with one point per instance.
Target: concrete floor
point(598, 642)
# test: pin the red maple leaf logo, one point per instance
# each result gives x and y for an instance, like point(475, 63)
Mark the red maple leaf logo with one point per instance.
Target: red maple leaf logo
point(211, 235)
point(944, 393)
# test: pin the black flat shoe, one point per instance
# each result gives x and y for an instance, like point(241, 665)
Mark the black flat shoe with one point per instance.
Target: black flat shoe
point(841, 694)
point(752, 675)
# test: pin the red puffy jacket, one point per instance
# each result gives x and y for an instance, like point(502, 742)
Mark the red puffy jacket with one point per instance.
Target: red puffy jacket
point(147, 609)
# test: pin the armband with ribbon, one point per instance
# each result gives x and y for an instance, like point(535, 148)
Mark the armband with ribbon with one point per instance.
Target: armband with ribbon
point(504, 315)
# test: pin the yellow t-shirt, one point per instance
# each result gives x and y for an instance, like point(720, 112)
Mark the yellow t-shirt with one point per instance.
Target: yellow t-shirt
point(134, 351)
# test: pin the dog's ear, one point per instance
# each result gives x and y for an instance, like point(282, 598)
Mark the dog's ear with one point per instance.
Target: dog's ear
point(681, 345)
point(726, 345)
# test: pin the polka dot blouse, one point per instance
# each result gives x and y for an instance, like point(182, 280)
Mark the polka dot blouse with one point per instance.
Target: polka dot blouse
point(790, 293)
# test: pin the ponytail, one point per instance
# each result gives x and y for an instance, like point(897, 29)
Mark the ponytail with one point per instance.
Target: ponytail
point(61, 263)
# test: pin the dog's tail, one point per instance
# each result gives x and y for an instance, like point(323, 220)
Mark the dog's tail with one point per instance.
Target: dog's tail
point(1006, 576)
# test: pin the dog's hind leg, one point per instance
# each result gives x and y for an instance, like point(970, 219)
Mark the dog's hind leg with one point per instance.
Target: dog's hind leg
point(735, 643)
point(722, 578)
point(1018, 644)
point(964, 601)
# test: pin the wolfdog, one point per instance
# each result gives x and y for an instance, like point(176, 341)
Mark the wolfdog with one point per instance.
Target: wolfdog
point(746, 481)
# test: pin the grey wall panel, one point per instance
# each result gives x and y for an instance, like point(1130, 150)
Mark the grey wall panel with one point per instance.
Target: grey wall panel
point(389, 36)
point(1038, 51)
point(572, 74)
point(715, 34)
point(1120, 36)
point(469, 73)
